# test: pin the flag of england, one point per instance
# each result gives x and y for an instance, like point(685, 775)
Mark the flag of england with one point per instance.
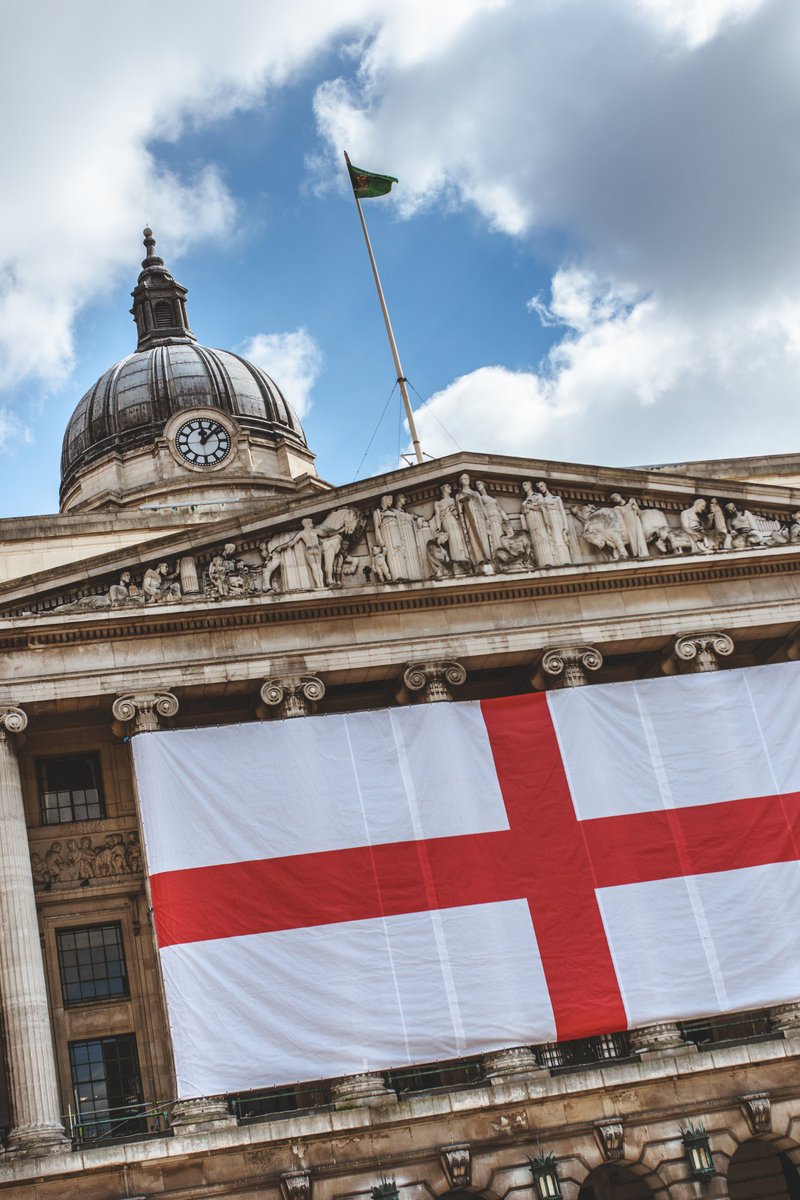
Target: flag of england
point(355, 892)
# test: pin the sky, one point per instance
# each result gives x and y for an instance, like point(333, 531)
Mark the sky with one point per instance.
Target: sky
point(592, 253)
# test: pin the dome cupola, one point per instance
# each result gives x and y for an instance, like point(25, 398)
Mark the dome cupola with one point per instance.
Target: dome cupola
point(176, 422)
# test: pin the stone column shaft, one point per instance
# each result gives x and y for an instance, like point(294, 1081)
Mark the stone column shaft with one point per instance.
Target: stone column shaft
point(36, 1111)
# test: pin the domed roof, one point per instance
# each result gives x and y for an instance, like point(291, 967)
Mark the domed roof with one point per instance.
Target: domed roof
point(131, 402)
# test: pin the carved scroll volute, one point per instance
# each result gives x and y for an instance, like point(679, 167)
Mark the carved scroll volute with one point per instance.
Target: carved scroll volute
point(291, 696)
point(694, 653)
point(13, 720)
point(569, 666)
point(759, 1112)
point(457, 1163)
point(610, 1134)
point(430, 682)
point(143, 712)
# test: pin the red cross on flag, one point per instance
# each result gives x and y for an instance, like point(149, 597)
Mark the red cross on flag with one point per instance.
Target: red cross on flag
point(356, 892)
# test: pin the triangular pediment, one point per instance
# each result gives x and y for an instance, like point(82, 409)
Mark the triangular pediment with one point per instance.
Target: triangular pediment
point(442, 523)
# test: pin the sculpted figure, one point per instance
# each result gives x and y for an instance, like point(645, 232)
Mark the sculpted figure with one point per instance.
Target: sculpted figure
point(223, 574)
point(742, 526)
point(633, 529)
point(124, 591)
point(473, 517)
point(54, 861)
point(603, 528)
point(86, 859)
point(159, 584)
point(416, 558)
point(438, 558)
point(446, 521)
point(497, 523)
point(133, 853)
point(394, 532)
point(692, 525)
point(546, 520)
point(308, 542)
point(380, 567)
point(69, 871)
point(513, 549)
point(39, 870)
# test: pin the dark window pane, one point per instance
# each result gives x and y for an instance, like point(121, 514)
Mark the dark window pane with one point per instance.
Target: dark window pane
point(70, 788)
point(96, 972)
point(108, 1098)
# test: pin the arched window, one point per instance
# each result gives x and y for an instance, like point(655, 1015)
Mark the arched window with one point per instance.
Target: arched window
point(162, 311)
point(614, 1181)
point(758, 1169)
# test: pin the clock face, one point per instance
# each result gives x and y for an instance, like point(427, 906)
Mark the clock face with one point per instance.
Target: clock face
point(203, 442)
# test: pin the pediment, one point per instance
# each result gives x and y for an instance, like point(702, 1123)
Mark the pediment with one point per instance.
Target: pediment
point(464, 518)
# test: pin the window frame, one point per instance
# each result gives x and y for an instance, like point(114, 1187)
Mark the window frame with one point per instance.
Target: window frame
point(63, 967)
point(91, 756)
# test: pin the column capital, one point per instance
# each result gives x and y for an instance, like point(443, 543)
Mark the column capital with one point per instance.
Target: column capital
point(457, 1163)
point(143, 711)
point(433, 681)
point(292, 695)
point(694, 653)
point(12, 719)
point(663, 1037)
point(368, 1087)
point(515, 1062)
point(569, 666)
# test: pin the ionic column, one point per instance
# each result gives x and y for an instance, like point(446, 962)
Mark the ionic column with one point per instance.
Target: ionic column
point(368, 1087)
point(433, 681)
point(37, 1127)
point(786, 1018)
point(694, 653)
point(569, 666)
point(143, 712)
point(504, 1066)
point(291, 695)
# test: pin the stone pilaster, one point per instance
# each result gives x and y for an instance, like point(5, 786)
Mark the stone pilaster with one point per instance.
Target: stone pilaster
point(694, 653)
point(291, 695)
point(430, 682)
point(369, 1087)
point(201, 1115)
point(664, 1037)
point(517, 1062)
point(36, 1112)
point(143, 712)
point(569, 666)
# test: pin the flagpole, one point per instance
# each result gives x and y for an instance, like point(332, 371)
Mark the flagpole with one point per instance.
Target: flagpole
point(401, 379)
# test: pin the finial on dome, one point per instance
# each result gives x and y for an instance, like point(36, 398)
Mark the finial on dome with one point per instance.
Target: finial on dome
point(152, 259)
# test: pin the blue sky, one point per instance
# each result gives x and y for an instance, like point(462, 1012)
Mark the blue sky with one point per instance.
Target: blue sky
point(592, 254)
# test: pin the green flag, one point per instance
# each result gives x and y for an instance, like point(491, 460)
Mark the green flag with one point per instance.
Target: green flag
point(367, 184)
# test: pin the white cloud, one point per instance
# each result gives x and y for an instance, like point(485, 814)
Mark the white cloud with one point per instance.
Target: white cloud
point(86, 90)
point(293, 360)
point(656, 139)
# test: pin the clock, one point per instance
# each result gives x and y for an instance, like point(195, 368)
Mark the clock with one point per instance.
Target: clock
point(203, 442)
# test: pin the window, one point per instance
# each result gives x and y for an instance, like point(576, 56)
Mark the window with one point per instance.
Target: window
point(106, 1087)
point(70, 788)
point(92, 963)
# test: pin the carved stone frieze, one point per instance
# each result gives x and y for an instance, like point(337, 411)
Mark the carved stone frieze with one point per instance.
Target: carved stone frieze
point(143, 712)
point(433, 681)
point(694, 653)
point(758, 1110)
point(292, 696)
point(83, 860)
point(457, 1163)
point(610, 1135)
point(569, 666)
point(467, 527)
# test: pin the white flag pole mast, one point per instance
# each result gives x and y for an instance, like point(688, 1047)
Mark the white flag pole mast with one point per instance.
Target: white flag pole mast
point(401, 379)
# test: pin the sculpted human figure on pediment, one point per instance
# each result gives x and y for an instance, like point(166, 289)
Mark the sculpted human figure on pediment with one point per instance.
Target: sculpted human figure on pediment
point(396, 536)
point(633, 529)
point(316, 556)
point(447, 525)
point(546, 520)
point(472, 511)
point(160, 585)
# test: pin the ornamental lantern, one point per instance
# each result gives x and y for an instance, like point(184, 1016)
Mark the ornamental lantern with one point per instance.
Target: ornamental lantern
point(698, 1151)
point(545, 1177)
point(385, 1189)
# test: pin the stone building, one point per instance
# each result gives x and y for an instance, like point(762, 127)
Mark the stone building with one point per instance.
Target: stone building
point(199, 573)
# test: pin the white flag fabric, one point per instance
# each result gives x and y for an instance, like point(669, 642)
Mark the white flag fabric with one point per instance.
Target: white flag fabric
point(357, 892)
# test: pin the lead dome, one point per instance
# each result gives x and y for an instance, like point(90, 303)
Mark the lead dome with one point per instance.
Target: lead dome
point(119, 446)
